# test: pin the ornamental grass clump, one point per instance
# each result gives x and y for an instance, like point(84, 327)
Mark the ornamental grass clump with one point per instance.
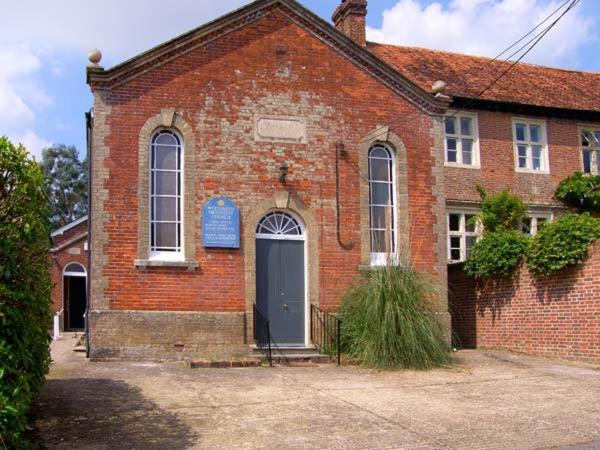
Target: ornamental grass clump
point(387, 321)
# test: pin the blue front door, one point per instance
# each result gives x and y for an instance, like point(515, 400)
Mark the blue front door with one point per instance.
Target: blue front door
point(280, 288)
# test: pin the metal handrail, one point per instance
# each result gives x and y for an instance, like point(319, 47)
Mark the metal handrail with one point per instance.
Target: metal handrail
point(326, 331)
point(262, 334)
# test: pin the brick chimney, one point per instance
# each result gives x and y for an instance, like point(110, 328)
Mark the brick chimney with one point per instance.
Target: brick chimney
point(350, 19)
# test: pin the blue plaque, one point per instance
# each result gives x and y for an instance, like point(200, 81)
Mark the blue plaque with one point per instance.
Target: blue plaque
point(220, 224)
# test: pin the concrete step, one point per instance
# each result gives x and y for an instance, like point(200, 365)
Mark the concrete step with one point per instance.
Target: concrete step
point(291, 350)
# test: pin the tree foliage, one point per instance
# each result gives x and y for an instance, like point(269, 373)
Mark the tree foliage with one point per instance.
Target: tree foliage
point(67, 187)
point(562, 243)
point(387, 322)
point(24, 288)
point(500, 212)
point(580, 191)
point(496, 255)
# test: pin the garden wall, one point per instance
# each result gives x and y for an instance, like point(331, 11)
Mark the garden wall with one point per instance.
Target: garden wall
point(554, 316)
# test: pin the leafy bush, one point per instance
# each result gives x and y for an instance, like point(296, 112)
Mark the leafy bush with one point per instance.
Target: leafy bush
point(580, 191)
point(562, 243)
point(24, 289)
point(496, 255)
point(501, 212)
point(387, 322)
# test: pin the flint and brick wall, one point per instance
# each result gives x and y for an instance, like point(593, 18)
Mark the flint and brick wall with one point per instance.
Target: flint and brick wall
point(554, 316)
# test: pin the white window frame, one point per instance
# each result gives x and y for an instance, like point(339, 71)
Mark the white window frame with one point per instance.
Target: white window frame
point(476, 159)
point(177, 255)
point(595, 149)
point(382, 258)
point(535, 217)
point(545, 159)
point(462, 233)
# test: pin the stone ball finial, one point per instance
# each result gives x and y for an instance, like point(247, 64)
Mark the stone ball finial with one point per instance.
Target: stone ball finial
point(95, 56)
point(438, 87)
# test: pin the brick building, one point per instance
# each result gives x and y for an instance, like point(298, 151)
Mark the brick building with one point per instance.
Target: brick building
point(323, 141)
point(69, 255)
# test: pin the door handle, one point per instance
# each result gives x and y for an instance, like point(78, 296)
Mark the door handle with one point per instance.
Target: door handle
point(284, 306)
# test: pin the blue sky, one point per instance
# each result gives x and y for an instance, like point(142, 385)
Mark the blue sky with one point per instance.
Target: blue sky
point(44, 45)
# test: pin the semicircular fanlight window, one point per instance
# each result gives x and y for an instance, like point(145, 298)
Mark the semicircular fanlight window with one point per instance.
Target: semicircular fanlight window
point(279, 223)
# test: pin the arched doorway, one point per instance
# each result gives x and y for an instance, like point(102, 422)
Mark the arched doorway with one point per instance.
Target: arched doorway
point(74, 296)
point(281, 276)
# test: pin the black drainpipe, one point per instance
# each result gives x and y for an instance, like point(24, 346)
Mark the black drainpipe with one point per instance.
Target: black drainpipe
point(339, 148)
point(89, 123)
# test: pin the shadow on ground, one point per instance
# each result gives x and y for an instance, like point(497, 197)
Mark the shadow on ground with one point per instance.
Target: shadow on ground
point(96, 412)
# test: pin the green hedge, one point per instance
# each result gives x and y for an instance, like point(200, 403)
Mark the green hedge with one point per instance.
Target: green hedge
point(562, 243)
point(496, 255)
point(25, 313)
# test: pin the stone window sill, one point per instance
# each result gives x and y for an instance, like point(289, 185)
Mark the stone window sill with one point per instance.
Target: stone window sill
point(144, 264)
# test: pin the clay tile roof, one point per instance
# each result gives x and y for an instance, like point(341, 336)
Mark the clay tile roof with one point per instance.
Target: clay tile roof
point(466, 76)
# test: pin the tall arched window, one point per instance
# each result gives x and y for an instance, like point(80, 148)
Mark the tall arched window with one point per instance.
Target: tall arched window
point(166, 218)
point(382, 205)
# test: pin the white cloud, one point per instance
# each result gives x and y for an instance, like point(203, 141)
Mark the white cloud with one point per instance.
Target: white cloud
point(66, 29)
point(483, 27)
point(21, 96)
point(120, 29)
point(33, 143)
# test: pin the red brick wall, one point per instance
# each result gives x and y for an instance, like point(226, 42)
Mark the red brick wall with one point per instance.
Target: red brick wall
point(555, 316)
point(272, 66)
point(62, 258)
point(498, 161)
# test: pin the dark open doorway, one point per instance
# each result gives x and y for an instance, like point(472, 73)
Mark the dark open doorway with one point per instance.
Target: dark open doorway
point(74, 289)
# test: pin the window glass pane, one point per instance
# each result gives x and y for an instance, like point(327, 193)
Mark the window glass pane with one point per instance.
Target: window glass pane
point(452, 154)
point(380, 169)
point(451, 125)
point(467, 151)
point(455, 248)
point(378, 241)
point(596, 139)
point(451, 150)
point(536, 157)
point(165, 235)
point(454, 222)
point(587, 161)
point(598, 162)
point(469, 227)
point(471, 240)
point(522, 156)
point(535, 133)
point(586, 138)
point(455, 254)
point(74, 268)
point(165, 157)
point(466, 128)
point(380, 194)
point(166, 183)
point(379, 152)
point(166, 208)
point(520, 130)
point(381, 217)
point(526, 225)
point(166, 139)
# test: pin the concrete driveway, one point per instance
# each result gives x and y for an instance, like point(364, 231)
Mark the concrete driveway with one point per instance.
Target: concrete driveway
point(488, 400)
